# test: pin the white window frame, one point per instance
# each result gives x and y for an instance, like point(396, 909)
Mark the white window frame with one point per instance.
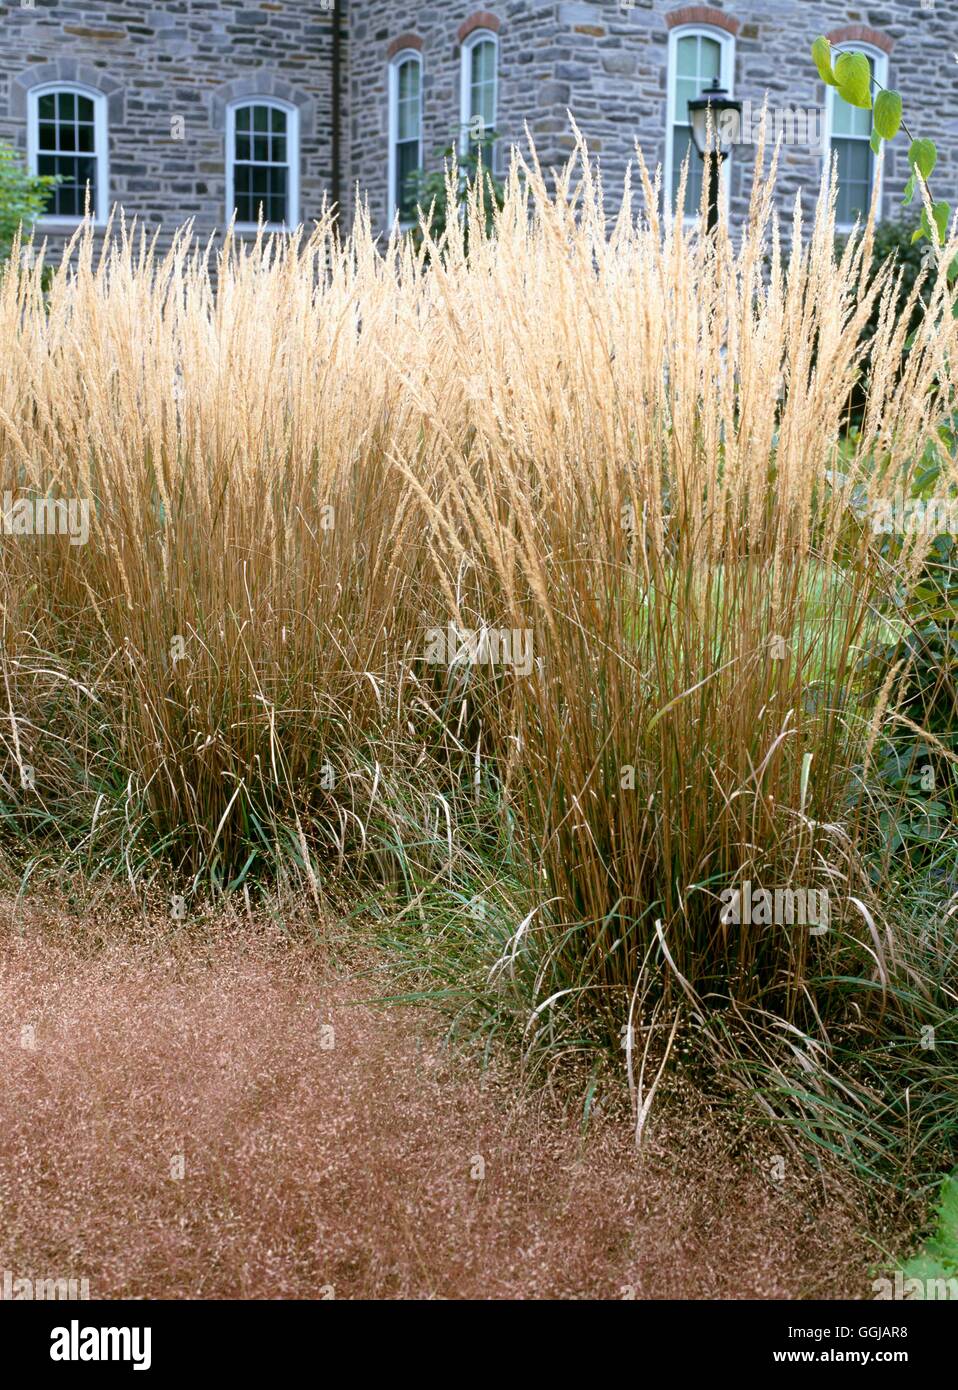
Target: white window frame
point(726, 42)
point(880, 72)
point(395, 63)
point(101, 139)
point(472, 41)
point(292, 159)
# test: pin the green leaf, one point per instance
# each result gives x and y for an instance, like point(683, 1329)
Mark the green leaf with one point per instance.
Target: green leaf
point(888, 114)
point(941, 213)
point(939, 1258)
point(948, 1213)
point(927, 1270)
point(923, 156)
point(822, 54)
point(875, 141)
point(909, 192)
point(853, 77)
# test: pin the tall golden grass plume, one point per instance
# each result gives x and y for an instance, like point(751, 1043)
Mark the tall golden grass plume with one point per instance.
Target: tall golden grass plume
point(628, 441)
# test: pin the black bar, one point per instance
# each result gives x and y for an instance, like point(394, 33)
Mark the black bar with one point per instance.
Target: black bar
point(281, 1337)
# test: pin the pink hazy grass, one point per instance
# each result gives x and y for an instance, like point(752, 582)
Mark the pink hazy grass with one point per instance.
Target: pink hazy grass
point(308, 1167)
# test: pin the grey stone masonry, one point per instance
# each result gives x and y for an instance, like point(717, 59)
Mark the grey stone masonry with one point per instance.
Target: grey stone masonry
point(168, 70)
point(606, 61)
point(174, 67)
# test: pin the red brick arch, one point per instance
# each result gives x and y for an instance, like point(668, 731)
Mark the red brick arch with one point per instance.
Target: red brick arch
point(703, 14)
point(404, 41)
point(482, 19)
point(861, 33)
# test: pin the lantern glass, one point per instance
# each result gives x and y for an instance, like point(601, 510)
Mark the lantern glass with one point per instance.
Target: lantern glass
point(714, 118)
point(700, 126)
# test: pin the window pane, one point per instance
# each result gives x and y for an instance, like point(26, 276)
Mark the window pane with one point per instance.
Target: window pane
point(408, 123)
point(69, 197)
point(409, 80)
point(407, 162)
point(687, 57)
point(86, 174)
point(855, 165)
point(484, 105)
point(854, 160)
point(277, 195)
point(408, 118)
point(686, 89)
point(261, 173)
point(243, 185)
point(851, 120)
point(698, 61)
point(710, 61)
point(484, 61)
point(67, 201)
point(66, 144)
point(682, 143)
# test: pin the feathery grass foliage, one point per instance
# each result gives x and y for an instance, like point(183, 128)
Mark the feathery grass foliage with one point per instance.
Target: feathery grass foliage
point(625, 441)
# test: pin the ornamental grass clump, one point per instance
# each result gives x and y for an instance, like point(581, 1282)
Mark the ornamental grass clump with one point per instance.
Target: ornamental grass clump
point(547, 561)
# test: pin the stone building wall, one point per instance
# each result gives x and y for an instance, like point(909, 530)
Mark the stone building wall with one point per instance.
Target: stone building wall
point(531, 84)
point(178, 59)
point(606, 60)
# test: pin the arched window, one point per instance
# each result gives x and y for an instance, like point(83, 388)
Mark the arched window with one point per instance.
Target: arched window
point(262, 163)
point(848, 131)
point(478, 88)
point(67, 136)
point(405, 132)
point(696, 56)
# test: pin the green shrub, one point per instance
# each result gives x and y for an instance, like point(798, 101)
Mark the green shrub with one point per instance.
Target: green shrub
point(23, 197)
point(444, 191)
point(937, 1263)
point(892, 238)
point(917, 764)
